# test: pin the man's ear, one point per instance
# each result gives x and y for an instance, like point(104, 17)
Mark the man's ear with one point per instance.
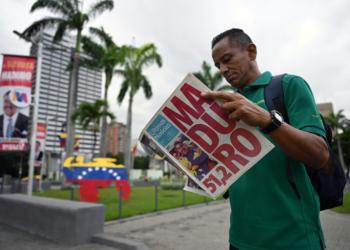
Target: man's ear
point(252, 52)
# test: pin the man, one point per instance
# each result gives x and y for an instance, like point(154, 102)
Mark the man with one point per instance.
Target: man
point(38, 153)
point(265, 211)
point(193, 159)
point(12, 122)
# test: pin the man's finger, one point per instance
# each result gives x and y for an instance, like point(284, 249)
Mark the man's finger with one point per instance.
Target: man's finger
point(222, 95)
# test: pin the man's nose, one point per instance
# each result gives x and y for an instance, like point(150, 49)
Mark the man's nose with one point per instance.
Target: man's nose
point(223, 69)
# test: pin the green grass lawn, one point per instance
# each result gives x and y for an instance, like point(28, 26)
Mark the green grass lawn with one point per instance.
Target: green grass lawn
point(345, 208)
point(141, 201)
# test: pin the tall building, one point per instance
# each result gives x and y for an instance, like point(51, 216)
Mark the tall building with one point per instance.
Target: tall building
point(116, 134)
point(53, 96)
point(325, 108)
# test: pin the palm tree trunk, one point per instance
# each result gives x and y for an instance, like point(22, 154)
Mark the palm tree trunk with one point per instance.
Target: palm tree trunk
point(340, 151)
point(127, 159)
point(72, 104)
point(104, 118)
point(94, 146)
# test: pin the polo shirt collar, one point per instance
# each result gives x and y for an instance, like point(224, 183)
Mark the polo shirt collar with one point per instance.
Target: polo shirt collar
point(263, 79)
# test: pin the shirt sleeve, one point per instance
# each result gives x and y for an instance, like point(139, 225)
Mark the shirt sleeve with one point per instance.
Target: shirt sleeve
point(301, 107)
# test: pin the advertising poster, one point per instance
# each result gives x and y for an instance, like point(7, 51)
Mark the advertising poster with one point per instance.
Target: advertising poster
point(40, 145)
point(15, 96)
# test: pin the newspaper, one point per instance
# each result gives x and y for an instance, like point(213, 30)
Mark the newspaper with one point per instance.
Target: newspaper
point(195, 135)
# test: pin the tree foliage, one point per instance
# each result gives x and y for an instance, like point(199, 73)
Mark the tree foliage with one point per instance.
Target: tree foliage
point(337, 121)
point(119, 157)
point(11, 162)
point(89, 115)
point(105, 55)
point(136, 59)
point(69, 17)
point(213, 81)
point(141, 162)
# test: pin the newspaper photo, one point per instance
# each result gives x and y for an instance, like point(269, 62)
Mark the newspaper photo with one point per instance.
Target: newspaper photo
point(196, 135)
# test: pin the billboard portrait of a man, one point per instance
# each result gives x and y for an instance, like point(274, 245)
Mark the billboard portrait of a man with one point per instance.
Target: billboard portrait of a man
point(38, 152)
point(12, 122)
point(15, 95)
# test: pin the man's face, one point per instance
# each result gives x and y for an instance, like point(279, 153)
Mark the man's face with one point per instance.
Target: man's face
point(234, 64)
point(9, 108)
point(37, 147)
point(180, 148)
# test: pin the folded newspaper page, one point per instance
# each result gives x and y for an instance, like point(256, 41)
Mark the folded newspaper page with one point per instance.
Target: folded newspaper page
point(196, 136)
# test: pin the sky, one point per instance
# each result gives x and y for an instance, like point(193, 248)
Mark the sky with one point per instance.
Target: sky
point(306, 38)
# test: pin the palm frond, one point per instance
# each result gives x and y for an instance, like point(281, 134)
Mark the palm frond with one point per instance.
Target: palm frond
point(147, 88)
point(62, 7)
point(119, 72)
point(92, 49)
point(123, 89)
point(89, 115)
point(212, 81)
point(69, 66)
point(47, 22)
point(200, 77)
point(89, 63)
point(76, 4)
point(61, 28)
point(99, 7)
point(103, 36)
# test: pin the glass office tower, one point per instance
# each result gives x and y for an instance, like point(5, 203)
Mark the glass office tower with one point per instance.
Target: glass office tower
point(53, 98)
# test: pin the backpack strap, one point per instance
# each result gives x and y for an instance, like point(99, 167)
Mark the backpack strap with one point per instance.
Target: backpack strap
point(274, 97)
point(274, 100)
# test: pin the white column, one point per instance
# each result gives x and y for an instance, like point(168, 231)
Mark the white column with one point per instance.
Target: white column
point(35, 119)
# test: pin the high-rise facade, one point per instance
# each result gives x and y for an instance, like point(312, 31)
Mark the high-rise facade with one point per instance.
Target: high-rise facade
point(53, 96)
point(116, 134)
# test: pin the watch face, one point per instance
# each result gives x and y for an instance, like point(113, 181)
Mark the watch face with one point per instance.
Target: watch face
point(278, 117)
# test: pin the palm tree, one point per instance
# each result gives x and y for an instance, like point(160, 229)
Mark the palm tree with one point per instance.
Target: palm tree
point(212, 81)
point(89, 115)
point(136, 59)
point(336, 122)
point(106, 55)
point(71, 17)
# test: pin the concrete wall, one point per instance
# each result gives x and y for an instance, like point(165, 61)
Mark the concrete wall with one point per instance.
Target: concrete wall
point(68, 222)
point(22, 187)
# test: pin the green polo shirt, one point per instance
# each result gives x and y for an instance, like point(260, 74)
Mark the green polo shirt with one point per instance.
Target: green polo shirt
point(265, 211)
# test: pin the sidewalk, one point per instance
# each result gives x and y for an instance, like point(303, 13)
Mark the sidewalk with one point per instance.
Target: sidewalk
point(179, 229)
point(188, 229)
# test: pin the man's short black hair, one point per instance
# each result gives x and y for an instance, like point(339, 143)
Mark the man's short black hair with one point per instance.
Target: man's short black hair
point(237, 38)
point(38, 142)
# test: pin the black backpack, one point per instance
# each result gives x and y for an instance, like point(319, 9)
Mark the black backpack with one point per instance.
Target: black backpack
point(330, 188)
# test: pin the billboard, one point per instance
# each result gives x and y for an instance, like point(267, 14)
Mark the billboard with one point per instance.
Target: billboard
point(40, 144)
point(15, 96)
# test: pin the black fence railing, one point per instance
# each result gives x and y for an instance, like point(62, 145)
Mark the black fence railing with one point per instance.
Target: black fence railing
point(160, 198)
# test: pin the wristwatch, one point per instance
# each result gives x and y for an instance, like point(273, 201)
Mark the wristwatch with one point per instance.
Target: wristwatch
point(276, 122)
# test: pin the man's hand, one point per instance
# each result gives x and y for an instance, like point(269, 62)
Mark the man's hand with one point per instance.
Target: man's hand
point(237, 108)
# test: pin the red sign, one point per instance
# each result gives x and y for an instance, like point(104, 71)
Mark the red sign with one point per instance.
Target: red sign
point(13, 146)
point(40, 134)
point(17, 71)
